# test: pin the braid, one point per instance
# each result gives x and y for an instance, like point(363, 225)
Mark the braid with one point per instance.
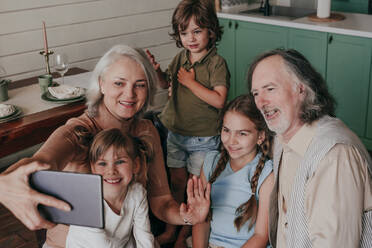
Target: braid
point(248, 210)
point(221, 165)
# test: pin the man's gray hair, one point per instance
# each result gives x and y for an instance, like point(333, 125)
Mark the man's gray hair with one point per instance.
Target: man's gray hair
point(94, 94)
point(318, 101)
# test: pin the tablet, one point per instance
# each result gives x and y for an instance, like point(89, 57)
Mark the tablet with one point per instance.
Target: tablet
point(82, 191)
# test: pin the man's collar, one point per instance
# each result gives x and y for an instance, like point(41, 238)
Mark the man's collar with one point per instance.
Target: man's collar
point(301, 140)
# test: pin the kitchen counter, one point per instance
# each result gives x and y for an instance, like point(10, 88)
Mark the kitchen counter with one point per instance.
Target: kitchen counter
point(354, 24)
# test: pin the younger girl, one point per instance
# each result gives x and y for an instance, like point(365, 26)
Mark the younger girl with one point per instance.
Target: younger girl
point(121, 161)
point(241, 178)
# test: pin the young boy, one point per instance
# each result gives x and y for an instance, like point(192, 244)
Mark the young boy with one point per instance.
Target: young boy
point(198, 82)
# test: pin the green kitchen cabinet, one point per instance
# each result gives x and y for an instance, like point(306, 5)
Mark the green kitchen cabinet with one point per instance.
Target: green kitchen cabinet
point(313, 45)
point(226, 48)
point(241, 43)
point(344, 61)
point(355, 6)
point(348, 75)
point(252, 39)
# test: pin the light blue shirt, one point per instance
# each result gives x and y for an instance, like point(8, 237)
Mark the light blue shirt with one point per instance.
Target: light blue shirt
point(229, 191)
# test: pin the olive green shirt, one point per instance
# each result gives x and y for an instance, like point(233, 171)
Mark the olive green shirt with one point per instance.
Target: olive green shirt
point(185, 113)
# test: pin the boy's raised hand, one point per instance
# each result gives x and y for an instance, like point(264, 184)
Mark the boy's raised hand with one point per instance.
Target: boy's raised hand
point(152, 60)
point(184, 76)
point(163, 83)
point(198, 202)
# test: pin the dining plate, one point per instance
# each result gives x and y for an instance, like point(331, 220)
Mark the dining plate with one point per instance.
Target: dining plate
point(16, 114)
point(48, 97)
point(66, 92)
point(13, 111)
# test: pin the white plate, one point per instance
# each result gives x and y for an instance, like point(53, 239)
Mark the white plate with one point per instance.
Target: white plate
point(66, 92)
point(6, 110)
point(17, 114)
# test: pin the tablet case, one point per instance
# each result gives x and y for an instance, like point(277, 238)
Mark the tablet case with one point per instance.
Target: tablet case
point(82, 191)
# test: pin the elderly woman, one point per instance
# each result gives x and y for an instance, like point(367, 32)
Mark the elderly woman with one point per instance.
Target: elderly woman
point(122, 85)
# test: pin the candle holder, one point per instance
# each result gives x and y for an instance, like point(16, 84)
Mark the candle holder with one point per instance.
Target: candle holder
point(46, 57)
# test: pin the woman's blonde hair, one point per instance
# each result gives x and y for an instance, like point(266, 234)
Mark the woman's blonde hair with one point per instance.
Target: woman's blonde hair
point(94, 94)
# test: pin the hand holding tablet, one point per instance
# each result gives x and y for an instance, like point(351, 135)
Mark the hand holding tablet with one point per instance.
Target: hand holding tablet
point(82, 191)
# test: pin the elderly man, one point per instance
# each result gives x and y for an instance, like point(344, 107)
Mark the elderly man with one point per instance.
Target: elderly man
point(323, 191)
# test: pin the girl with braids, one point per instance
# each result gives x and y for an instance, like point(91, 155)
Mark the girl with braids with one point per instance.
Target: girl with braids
point(241, 178)
point(121, 160)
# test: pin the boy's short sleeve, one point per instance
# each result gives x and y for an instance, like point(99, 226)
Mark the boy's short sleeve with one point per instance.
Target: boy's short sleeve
point(220, 75)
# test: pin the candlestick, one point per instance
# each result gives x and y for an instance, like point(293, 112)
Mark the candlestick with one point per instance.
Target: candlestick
point(45, 39)
point(46, 57)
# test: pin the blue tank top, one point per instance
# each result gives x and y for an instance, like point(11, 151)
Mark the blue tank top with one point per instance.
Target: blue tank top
point(229, 191)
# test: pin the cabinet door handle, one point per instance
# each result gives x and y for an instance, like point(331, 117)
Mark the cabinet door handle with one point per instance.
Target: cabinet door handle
point(230, 24)
point(236, 25)
point(330, 39)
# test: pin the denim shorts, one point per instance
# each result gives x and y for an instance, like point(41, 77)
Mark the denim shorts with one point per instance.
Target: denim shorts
point(189, 151)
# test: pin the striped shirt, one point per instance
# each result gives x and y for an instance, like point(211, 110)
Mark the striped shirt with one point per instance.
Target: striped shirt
point(336, 194)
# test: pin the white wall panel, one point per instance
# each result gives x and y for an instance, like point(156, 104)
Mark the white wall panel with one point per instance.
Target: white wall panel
point(17, 21)
point(19, 5)
point(31, 61)
point(78, 33)
point(84, 29)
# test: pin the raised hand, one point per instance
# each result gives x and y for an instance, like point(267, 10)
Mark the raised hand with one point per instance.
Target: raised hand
point(22, 200)
point(184, 76)
point(152, 60)
point(198, 202)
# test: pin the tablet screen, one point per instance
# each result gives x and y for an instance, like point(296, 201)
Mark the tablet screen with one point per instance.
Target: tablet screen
point(82, 191)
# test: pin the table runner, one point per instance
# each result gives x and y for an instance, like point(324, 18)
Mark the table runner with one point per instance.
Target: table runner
point(28, 98)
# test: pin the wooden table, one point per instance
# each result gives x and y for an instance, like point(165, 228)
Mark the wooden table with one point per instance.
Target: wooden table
point(35, 128)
